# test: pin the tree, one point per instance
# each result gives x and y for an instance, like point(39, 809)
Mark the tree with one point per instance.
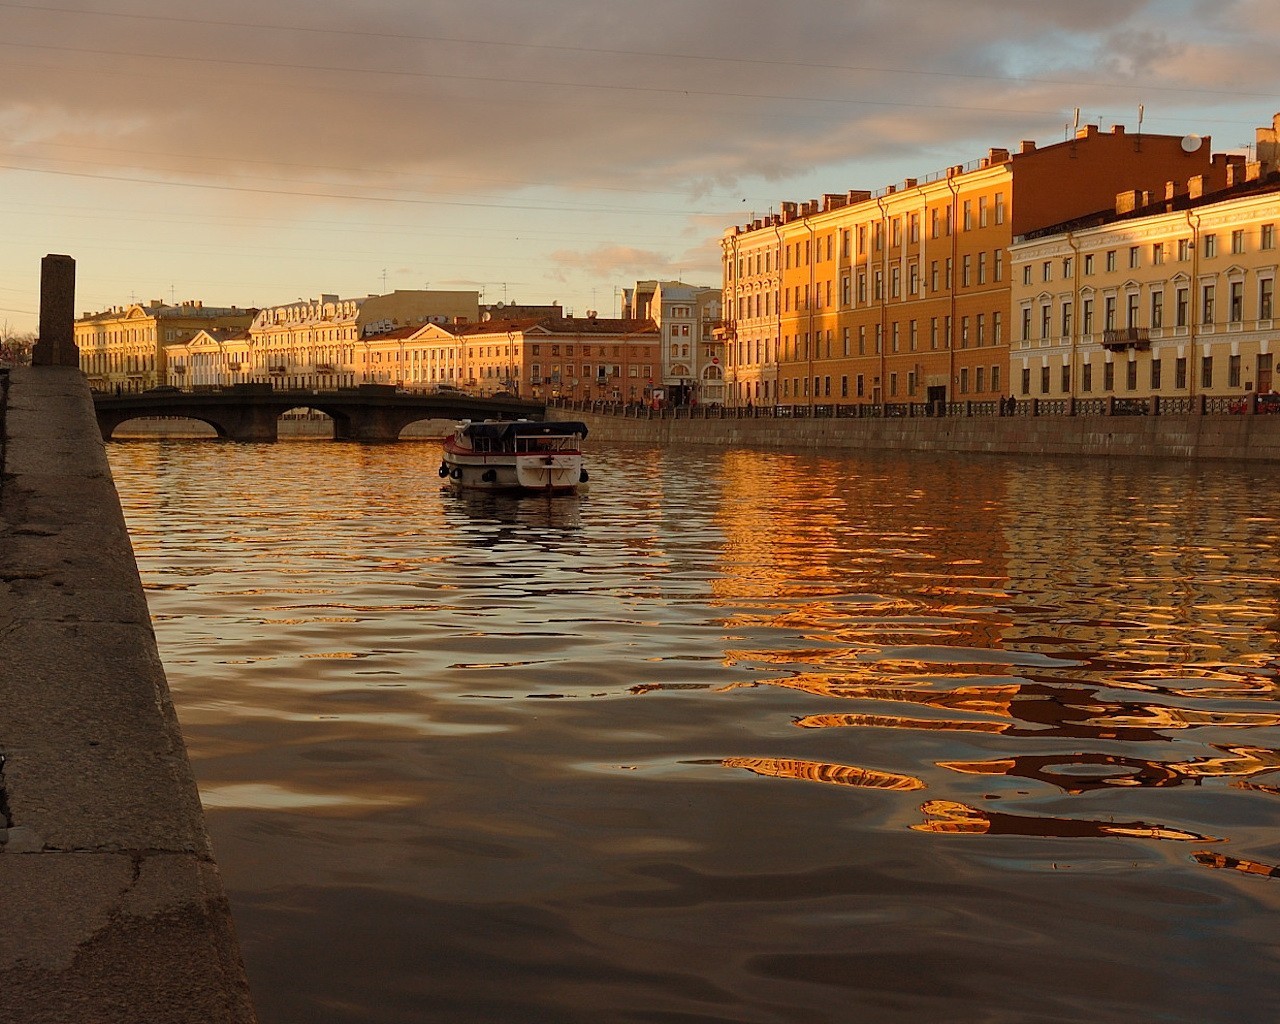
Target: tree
point(15, 346)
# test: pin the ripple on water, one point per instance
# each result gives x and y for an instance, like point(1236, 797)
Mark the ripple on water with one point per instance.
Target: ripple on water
point(740, 735)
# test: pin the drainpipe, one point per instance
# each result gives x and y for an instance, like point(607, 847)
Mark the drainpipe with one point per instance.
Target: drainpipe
point(1075, 317)
point(813, 296)
point(953, 223)
point(884, 309)
point(777, 312)
point(732, 283)
point(1193, 222)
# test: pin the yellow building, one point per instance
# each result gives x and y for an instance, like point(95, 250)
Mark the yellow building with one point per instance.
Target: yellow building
point(125, 348)
point(1170, 296)
point(538, 357)
point(332, 342)
point(903, 295)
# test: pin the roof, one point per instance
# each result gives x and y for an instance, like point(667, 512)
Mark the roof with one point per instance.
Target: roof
point(505, 429)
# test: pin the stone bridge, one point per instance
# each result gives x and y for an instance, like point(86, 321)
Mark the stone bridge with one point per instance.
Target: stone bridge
point(251, 412)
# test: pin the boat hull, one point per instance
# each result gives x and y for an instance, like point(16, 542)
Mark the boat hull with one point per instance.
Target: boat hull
point(560, 473)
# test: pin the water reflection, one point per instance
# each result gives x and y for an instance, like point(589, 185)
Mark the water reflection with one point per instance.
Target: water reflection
point(464, 756)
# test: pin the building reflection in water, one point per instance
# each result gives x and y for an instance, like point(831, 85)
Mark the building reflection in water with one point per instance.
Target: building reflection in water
point(1018, 618)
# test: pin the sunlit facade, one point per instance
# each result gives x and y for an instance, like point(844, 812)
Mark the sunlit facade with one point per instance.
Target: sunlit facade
point(1172, 297)
point(904, 295)
point(692, 357)
point(126, 348)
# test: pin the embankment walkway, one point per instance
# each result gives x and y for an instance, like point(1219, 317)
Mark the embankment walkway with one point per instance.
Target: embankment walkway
point(111, 905)
point(1177, 435)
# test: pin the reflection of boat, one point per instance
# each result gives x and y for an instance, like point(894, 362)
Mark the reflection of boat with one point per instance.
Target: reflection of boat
point(515, 455)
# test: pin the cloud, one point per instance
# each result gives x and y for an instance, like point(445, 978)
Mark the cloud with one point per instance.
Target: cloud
point(611, 262)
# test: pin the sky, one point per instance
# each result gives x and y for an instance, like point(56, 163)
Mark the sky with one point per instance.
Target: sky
point(255, 153)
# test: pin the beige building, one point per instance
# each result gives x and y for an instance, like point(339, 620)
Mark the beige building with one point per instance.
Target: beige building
point(332, 342)
point(687, 318)
point(126, 348)
point(1170, 296)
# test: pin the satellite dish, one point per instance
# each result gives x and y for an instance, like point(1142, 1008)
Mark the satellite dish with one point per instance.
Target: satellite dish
point(1190, 143)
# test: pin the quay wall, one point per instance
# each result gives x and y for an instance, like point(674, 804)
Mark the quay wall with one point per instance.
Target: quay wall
point(1179, 436)
point(112, 908)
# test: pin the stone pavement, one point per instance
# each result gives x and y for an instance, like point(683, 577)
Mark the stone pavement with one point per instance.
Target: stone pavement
point(111, 906)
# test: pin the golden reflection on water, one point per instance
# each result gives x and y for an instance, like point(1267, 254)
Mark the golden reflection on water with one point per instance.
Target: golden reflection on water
point(493, 734)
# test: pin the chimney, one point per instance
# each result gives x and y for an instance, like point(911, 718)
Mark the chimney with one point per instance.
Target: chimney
point(1029, 145)
point(1126, 202)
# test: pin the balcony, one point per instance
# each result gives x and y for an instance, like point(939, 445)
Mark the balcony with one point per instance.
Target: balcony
point(278, 368)
point(324, 368)
point(1121, 338)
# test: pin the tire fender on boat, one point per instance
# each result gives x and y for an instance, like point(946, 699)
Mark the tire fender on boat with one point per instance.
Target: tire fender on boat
point(444, 469)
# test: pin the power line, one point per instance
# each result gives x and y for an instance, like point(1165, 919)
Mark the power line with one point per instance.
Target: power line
point(1145, 87)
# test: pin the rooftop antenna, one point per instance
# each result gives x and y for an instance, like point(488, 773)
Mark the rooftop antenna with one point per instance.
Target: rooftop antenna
point(384, 280)
point(1141, 110)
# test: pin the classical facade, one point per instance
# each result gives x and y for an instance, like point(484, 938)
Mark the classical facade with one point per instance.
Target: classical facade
point(904, 295)
point(538, 357)
point(692, 357)
point(332, 342)
point(1171, 295)
point(126, 348)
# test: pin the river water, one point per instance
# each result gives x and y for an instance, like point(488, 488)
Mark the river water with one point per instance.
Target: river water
point(737, 737)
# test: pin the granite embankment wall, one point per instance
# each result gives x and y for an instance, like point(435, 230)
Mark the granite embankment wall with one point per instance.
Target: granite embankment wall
point(111, 906)
point(1212, 437)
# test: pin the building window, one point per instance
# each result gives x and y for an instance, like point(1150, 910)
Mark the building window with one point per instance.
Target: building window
point(1157, 253)
point(1210, 246)
point(1108, 376)
point(995, 378)
point(1026, 274)
point(1046, 271)
point(1157, 309)
point(1206, 305)
point(1111, 260)
point(1155, 375)
point(1237, 302)
point(982, 219)
point(1044, 380)
point(1088, 263)
point(1267, 237)
point(1135, 256)
point(1109, 313)
point(1265, 289)
point(1086, 317)
point(1206, 372)
point(1181, 298)
point(1086, 378)
point(1180, 373)
point(1237, 241)
point(1131, 376)
point(1066, 380)
point(1026, 380)
point(1233, 372)
point(999, 207)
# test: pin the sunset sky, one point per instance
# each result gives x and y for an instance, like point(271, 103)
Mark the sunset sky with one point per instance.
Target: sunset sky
point(544, 150)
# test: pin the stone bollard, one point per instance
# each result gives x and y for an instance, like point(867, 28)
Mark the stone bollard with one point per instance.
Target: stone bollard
point(57, 343)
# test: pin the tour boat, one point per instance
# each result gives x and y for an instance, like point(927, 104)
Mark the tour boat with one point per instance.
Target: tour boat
point(524, 456)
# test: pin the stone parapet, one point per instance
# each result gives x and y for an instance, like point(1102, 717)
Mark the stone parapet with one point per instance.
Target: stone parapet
point(111, 905)
point(1199, 437)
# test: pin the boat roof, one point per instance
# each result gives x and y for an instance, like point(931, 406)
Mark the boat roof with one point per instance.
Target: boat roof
point(498, 430)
